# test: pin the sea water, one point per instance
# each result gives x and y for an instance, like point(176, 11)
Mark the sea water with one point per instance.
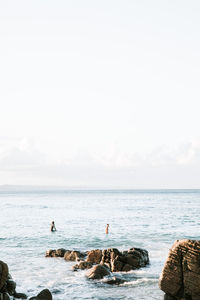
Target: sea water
point(148, 219)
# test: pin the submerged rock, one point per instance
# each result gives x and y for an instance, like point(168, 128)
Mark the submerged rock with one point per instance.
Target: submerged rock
point(98, 272)
point(20, 296)
point(114, 280)
point(180, 278)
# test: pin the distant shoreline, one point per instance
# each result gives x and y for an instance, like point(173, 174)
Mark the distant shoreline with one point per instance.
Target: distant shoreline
point(40, 188)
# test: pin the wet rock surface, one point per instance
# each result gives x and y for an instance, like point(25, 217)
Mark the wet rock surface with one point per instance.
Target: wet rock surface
point(74, 255)
point(7, 284)
point(125, 261)
point(43, 295)
point(180, 278)
point(98, 272)
point(94, 256)
point(8, 287)
point(82, 266)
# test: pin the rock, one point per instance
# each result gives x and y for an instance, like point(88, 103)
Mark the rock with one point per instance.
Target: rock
point(115, 280)
point(108, 256)
point(125, 261)
point(94, 256)
point(20, 296)
point(180, 277)
point(126, 268)
point(74, 255)
point(56, 253)
point(50, 253)
point(82, 265)
point(98, 272)
point(43, 295)
point(60, 252)
point(10, 287)
point(3, 274)
point(4, 296)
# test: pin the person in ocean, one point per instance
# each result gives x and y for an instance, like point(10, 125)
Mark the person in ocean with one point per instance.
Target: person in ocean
point(53, 227)
point(107, 226)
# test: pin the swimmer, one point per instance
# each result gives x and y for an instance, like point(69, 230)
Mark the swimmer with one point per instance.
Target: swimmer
point(53, 227)
point(107, 226)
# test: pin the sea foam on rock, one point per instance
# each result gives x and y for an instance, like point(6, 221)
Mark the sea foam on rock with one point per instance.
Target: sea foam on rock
point(180, 278)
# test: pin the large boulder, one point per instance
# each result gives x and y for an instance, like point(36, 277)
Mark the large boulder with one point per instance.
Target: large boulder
point(98, 272)
point(180, 278)
point(94, 256)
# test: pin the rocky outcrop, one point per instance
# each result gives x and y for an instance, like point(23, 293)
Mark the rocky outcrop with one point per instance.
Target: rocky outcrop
point(98, 272)
point(102, 263)
point(7, 285)
point(180, 278)
point(125, 261)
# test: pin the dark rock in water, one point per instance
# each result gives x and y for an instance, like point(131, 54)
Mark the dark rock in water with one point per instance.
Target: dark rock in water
point(3, 274)
point(74, 255)
point(10, 287)
point(4, 296)
point(180, 278)
point(114, 280)
point(56, 253)
point(20, 296)
point(94, 256)
point(43, 295)
point(7, 284)
point(82, 265)
point(98, 272)
point(50, 253)
point(125, 261)
point(60, 252)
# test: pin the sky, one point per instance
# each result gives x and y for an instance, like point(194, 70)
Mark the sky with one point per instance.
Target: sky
point(100, 93)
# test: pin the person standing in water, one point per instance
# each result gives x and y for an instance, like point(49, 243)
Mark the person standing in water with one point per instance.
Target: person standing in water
point(107, 226)
point(53, 227)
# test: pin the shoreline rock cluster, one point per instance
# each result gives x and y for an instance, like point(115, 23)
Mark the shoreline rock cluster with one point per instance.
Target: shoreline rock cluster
point(8, 287)
point(103, 263)
point(180, 278)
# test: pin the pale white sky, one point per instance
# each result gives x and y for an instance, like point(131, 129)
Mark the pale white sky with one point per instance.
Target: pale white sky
point(100, 93)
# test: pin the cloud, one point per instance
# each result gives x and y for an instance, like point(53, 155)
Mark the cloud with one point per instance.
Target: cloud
point(23, 163)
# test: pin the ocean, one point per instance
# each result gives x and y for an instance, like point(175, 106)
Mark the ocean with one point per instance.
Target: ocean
point(149, 219)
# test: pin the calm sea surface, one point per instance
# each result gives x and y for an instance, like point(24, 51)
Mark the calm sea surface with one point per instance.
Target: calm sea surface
point(148, 219)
